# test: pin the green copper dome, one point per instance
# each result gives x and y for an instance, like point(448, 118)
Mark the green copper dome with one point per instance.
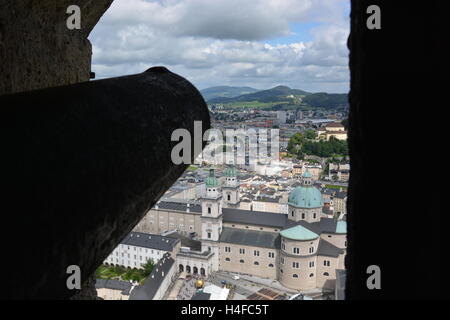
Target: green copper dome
point(306, 197)
point(211, 180)
point(307, 174)
point(299, 233)
point(230, 172)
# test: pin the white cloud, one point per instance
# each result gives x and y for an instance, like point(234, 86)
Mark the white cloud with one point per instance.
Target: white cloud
point(223, 42)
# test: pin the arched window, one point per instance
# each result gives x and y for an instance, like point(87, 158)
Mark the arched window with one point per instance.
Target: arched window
point(256, 263)
point(270, 265)
point(295, 275)
point(311, 275)
point(326, 274)
point(241, 261)
point(227, 259)
point(229, 197)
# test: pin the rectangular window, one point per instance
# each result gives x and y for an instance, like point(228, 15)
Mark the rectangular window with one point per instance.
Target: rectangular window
point(256, 253)
point(271, 255)
point(296, 250)
point(295, 265)
point(242, 251)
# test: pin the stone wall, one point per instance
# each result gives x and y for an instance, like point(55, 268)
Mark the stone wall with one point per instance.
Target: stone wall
point(399, 78)
point(37, 50)
point(85, 161)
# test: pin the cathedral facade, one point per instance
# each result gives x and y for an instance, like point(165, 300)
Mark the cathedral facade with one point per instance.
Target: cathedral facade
point(301, 249)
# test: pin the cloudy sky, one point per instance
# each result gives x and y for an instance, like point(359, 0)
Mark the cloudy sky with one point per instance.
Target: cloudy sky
point(257, 43)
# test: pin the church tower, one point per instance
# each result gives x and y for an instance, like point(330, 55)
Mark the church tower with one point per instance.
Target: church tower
point(230, 188)
point(212, 218)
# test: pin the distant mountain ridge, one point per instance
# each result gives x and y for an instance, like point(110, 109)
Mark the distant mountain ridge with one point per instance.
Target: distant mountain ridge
point(223, 95)
point(278, 93)
point(225, 92)
point(326, 100)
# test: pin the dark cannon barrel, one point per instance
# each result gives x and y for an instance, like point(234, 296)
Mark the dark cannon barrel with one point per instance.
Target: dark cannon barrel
point(81, 165)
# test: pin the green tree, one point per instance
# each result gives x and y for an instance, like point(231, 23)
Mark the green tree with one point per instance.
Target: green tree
point(300, 146)
point(295, 143)
point(148, 267)
point(310, 134)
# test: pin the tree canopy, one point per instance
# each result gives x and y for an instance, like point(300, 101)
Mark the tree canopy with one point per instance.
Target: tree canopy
point(301, 146)
point(310, 134)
